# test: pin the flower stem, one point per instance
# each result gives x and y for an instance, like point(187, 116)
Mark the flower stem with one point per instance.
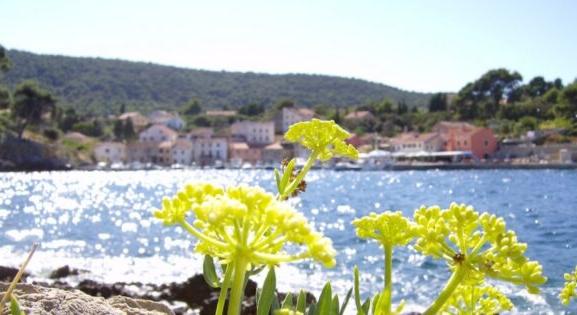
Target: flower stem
point(301, 175)
point(237, 288)
point(452, 284)
point(388, 278)
point(224, 289)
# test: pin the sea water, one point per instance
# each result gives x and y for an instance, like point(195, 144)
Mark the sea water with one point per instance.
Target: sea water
point(101, 222)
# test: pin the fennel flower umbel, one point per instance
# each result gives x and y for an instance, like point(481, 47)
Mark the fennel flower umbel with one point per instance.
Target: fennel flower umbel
point(475, 246)
point(568, 292)
point(245, 228)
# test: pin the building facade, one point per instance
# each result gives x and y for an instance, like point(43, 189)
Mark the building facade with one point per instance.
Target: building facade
point(110, 152)
point(253, 132)
point(289, 116)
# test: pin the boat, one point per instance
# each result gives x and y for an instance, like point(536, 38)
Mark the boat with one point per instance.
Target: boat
point(347, 166)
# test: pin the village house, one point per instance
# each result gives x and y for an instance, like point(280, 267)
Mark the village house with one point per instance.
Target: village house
point(206, 148)
point(290, 115)
point(273, 154)
point(157, 133)
point(221, 113)
point(181, 152)
point(110, 152)
point(140, 151)
point(362, 115)
point(462, 136)
point(171, 120)
point(417, 142)
point(253, 132)
point(241, 152)
point(138, 120)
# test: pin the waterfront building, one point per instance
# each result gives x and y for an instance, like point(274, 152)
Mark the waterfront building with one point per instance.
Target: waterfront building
point(462, 136)
point(417, 142)
point(110, 152)
point(253, 132)
point(290, 115)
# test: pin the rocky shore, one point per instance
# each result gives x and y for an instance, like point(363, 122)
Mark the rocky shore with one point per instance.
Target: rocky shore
point(192, 296)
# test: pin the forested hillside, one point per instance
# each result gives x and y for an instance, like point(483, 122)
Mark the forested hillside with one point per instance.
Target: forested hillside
point(100, 85)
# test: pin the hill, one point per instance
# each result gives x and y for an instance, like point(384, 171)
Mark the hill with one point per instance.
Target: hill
point(100, 85)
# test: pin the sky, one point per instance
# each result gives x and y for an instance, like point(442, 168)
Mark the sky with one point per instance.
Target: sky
point(426, 46)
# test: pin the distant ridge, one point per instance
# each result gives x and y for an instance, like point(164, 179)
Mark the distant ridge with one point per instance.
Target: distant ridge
point(100, 85)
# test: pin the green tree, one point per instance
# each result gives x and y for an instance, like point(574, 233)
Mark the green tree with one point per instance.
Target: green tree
point(402, 108)
point(284, 103)
point(438, 102)
point(31, 103)
point(129, 130)
point(4, 61)
point(118, 129)
point(5, 97)
point(68, 119)
point(192, 108)
point(251, 110)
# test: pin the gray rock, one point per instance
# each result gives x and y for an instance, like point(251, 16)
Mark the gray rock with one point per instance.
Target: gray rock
point(35, 300)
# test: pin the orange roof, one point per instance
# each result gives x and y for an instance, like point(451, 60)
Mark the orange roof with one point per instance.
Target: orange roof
point(239, 146)
point(274, 146)
point(226, 113)
point(164, 129)
point(359, 115)
point(411, 137)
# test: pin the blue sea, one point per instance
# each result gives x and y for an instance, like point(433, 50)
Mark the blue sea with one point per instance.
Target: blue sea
point(101, 222)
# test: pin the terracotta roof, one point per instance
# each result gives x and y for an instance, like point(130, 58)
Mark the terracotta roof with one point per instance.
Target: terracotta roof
point(183, 143)
point(226, 113)
point(239, 146)
point(163, 128)
point(274, 146)
point(165, 145)
point(411, 137)
point(131, 115)
point(359, 115)
point(306, 112)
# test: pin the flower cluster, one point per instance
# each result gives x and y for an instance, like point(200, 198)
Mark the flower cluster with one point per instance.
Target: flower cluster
point(244, 222)
point(480, 244)
point(388, 228)
point(324, 138)
point(477, 299)
point(568, 292)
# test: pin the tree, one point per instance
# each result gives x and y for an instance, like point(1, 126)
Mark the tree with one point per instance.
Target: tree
point(251, 110)
point(538, 87)
point(438, 103)
point(122, 109)
point(31, 104)
point(4, 61)
point(68, 119)
point(192, 108)
point(285, 103)
point(402, 108)
point(129, 129)
point(118, 129)
point(5, 97)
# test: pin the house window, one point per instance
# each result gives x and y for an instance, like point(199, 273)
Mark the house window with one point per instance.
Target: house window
point(486, 143)
point(465, 142)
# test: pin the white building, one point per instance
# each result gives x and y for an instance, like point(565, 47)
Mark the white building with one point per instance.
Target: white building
point(290, 115)
point(417, 142)
point(110, 152)
point(181, 152)
point(162, 117)
point(157, 133)
point(253, 132)
point(206, 148)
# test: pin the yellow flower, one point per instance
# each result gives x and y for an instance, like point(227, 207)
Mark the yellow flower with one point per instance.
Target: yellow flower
point(244, 223)
point(388, 228)
point(479, 243)
point(322, 137)
point(477, 299)
point(568, 292)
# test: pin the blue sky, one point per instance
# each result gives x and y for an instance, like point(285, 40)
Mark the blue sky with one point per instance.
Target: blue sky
point(415, 45)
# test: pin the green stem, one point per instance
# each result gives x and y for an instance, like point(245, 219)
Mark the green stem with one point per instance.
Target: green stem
point(388, 278)
point(224, 289)
point(190, 229)
point(452, 284)
point(301, 175)
point(237, 289)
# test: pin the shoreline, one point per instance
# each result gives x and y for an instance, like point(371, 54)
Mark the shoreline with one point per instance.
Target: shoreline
point(398, 167)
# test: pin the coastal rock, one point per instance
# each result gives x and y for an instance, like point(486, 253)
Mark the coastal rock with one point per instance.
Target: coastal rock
point(8, 273)
point(64, 272)
point(40, 300)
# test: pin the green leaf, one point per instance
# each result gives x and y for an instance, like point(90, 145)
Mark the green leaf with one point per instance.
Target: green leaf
point(209, 272)
point(277, 180)
point(325, 301)
point(375, 302)
point(357, 291)
point(346, 301)
point(302, 302)
point(288, 301)
point(366, 306)
point(312, 309)
point(268, 294)
point(288, 171)
point(15, 306)
point(335, 306)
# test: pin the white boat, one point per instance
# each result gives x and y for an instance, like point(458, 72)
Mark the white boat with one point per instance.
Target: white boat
point(347, 166)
